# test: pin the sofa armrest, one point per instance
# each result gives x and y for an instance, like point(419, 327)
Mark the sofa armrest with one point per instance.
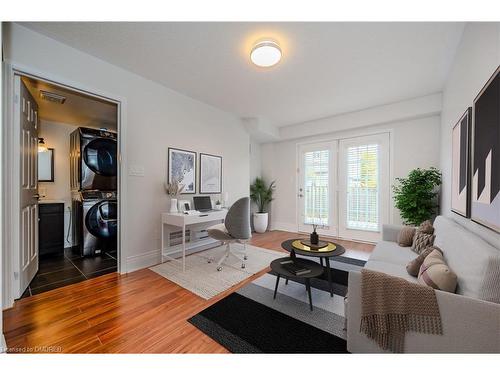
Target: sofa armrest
point(469, 325)
point(390, 232)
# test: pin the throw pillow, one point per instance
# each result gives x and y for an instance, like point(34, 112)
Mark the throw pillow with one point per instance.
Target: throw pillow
point(426, 227)
point(414, 266)
point(435, 273)
point(421, 241)
point(405, 236)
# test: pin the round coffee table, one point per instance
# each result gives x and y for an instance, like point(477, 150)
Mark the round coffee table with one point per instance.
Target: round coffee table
point(314, 268)
point(338, 250)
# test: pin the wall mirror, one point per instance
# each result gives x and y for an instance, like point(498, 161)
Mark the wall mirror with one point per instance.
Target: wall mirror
point(46, 166)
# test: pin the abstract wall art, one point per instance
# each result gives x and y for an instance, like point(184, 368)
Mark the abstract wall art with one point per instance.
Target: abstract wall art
point(460, 165)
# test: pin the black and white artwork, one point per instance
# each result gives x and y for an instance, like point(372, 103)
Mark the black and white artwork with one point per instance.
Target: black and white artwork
point(485, 205)
point(182, 168)
point(460, 165)
point(210, 174)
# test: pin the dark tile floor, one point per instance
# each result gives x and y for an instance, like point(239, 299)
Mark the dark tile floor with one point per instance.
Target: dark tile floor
point(56, 271)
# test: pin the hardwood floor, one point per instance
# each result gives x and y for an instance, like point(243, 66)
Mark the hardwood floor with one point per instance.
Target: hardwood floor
point(140, 312)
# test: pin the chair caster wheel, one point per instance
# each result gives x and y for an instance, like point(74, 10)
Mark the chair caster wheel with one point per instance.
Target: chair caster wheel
point(245, 257)
point(210, 260)
point(219, 269)
point(243, 265)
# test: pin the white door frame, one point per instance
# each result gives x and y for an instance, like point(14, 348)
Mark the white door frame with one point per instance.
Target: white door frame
point(10, 167)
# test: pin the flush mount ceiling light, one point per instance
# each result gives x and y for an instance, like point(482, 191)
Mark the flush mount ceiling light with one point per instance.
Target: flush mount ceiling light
point(266, 54)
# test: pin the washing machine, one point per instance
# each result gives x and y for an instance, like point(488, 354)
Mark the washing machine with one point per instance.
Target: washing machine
point(93, 160)
point(96, 222)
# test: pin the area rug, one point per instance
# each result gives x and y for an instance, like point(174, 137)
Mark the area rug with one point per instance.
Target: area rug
point(251, 321)
point(203, 279)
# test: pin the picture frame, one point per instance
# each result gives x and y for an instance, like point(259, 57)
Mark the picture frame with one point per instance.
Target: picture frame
point(210, 174)
point(460, 165)
point(46, 166)
point(181, 166)
point(485, 192)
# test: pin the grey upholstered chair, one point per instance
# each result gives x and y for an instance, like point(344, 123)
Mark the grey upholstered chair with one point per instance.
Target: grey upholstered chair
point(236, 228)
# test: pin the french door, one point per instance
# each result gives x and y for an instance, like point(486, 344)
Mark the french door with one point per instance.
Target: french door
point(343, 187)
point(317, 187)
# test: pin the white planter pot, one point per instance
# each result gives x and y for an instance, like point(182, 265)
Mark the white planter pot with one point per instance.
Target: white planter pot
point(260, 221)
point(173, 205)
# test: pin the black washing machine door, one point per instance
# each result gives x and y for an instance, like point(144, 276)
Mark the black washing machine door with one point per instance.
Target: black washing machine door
point(100, 156)
point(101, 220)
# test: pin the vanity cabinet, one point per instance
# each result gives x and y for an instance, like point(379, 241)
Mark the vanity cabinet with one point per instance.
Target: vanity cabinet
point(51, 228)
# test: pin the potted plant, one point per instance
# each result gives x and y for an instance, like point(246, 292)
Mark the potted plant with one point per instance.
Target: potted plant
point(416, 196)
point(173, 189)
point(261, 194)
point(218, 205)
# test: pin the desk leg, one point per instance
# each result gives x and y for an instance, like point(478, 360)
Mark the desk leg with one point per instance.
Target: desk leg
point(183, 247)
point(329, 272)
point(162, 242)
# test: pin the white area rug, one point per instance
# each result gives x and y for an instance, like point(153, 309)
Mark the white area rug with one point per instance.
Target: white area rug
point(203, 279)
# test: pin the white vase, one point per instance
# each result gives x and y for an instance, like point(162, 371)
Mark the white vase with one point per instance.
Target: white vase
point(260, 221)
point(173, 205)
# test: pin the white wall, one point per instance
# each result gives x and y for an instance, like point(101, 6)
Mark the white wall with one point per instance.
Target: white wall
point(156, 117)
point(478, 55)
point(415, 143)
point(255, 161)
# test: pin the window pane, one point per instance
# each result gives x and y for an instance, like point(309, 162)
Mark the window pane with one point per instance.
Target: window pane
point(316, 195)
point(362, 187)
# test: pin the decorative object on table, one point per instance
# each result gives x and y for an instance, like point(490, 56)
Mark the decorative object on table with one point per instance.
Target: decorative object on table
point(173, 189)
point(405, 236)
point(210, 174)
point(316, 246)
point(46, 165)
point(460, 165)
point(485, 201)
point(261, 194)
point(314, 238)
point(218, 205)
point(416, 197)
point(182, 168)
point(184, 205)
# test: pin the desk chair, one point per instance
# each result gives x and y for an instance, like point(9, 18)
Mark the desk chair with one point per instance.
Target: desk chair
point(236, 228)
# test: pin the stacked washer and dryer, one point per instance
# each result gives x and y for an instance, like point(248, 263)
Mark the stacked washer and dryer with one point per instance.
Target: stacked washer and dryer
point(93, 174)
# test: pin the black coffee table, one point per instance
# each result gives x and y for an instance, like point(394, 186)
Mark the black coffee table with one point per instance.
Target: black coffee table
point(315, 268)
point(339, 250)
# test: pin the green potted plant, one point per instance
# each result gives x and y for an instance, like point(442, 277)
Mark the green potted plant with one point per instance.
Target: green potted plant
point(261, 194)
point(416, 195)
point(218, 204)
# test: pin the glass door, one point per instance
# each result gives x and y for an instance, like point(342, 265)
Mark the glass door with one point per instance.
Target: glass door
point(316, 187)
point(363, 187)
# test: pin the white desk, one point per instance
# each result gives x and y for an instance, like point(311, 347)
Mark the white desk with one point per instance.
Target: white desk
point(181, 221)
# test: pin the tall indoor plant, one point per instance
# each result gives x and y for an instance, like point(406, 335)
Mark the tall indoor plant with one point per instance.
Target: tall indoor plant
point(261, 194)
point(416, 196)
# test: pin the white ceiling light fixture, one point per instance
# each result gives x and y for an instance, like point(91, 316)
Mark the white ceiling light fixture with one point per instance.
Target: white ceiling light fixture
point(266, 54)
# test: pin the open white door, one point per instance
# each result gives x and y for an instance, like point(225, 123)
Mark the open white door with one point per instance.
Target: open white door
point(364, 187)
point(26, 113)
point(317, 191)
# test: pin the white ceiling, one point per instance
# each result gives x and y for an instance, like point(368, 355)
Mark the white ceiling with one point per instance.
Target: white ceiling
point(327, 68)
point(78, 109)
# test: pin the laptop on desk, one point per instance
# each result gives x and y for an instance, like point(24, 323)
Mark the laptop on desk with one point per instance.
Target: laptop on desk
point(202, 204)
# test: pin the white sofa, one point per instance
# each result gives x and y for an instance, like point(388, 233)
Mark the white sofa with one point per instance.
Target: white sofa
point(470, 318)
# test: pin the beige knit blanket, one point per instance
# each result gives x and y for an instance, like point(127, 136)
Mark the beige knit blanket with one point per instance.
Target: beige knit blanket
point(392, 306)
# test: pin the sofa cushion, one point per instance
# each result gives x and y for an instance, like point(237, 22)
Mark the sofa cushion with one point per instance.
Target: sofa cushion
point(414, 266)
point(391, 252)
point(426, 227)
point(435, 273)
point(398, 270)
point(421, 241)
point(405, 236)
point(473, 260)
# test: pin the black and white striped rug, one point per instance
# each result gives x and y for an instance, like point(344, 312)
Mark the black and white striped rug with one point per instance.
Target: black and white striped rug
point(251, 321)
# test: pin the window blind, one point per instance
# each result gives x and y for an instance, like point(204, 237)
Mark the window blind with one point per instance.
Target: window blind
point(316, 194)
point(363, 187)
